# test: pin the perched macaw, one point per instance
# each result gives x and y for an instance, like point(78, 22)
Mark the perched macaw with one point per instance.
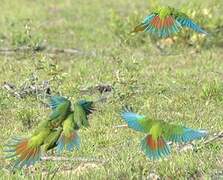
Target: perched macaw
point(165, 21)
point(59, 131)
point(154, 144)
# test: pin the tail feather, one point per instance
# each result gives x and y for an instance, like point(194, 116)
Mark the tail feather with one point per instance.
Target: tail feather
point(138, 28)
point(68, 142)
point(155, 149)
point(142, 26)
point(20, 153)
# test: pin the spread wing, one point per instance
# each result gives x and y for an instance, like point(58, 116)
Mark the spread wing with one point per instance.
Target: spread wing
point(178, 133)
point(133, 119)
point(162, 27)
point(60, 106)
point(185, 21)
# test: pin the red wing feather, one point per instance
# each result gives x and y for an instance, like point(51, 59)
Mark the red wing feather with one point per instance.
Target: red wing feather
point(155, 21)
point(159, 23)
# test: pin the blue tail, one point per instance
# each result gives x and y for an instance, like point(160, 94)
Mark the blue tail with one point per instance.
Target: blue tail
point(20, 153)
point(68, 142)
point(154, 149)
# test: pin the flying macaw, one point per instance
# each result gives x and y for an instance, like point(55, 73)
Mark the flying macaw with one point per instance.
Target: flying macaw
point(51, 133)
point(154, 144)
point(61, 107)
point(78, 118)
point(165, 21)
point(27, 151)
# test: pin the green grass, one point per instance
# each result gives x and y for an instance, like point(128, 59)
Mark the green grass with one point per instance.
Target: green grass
point(184, 87)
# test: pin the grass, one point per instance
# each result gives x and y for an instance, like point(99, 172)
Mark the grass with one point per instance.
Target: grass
point(184, 87)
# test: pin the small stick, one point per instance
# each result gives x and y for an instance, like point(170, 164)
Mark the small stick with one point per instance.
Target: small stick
point(78, 159)
point(218, 136)
point(121, 126)
point(51, 50)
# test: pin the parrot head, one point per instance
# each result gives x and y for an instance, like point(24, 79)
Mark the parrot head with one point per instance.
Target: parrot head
point(164, 11)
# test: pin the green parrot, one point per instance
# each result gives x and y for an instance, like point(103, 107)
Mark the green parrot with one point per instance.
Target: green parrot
point(69, 137)
point(165, 21)
point(61, 107)
point(27, 151)
point(154, 144)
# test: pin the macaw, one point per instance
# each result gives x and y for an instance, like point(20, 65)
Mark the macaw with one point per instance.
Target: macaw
point(27, 151)
point(52, 132)
point(165, 21)
point(61, 107)
point(69, 137)
point(154, 144)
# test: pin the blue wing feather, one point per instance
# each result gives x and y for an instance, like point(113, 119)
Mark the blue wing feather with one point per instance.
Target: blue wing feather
point(55, 101)
point(132, 119)
point(190, 24)
point(87, 106)
point(148, 19)
point(188, 135)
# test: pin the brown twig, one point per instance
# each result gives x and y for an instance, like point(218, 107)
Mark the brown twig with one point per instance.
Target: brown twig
point(218, 136)
point(190, 146)
point(78, 159)
point(101, 88)
point(28, 88)
point(47, 49)
point(13, 50)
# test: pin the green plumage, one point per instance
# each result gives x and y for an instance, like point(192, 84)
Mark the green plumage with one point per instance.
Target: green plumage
point(27, 151)
point(77, 119)
point(80, 116)
point(69, 124)
point(60, 112)
point(164, 12)
point(40, 134)
point(59, 130)
point(158, 132)
point(166, 21)
point(159, 128)
point(50, 141)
